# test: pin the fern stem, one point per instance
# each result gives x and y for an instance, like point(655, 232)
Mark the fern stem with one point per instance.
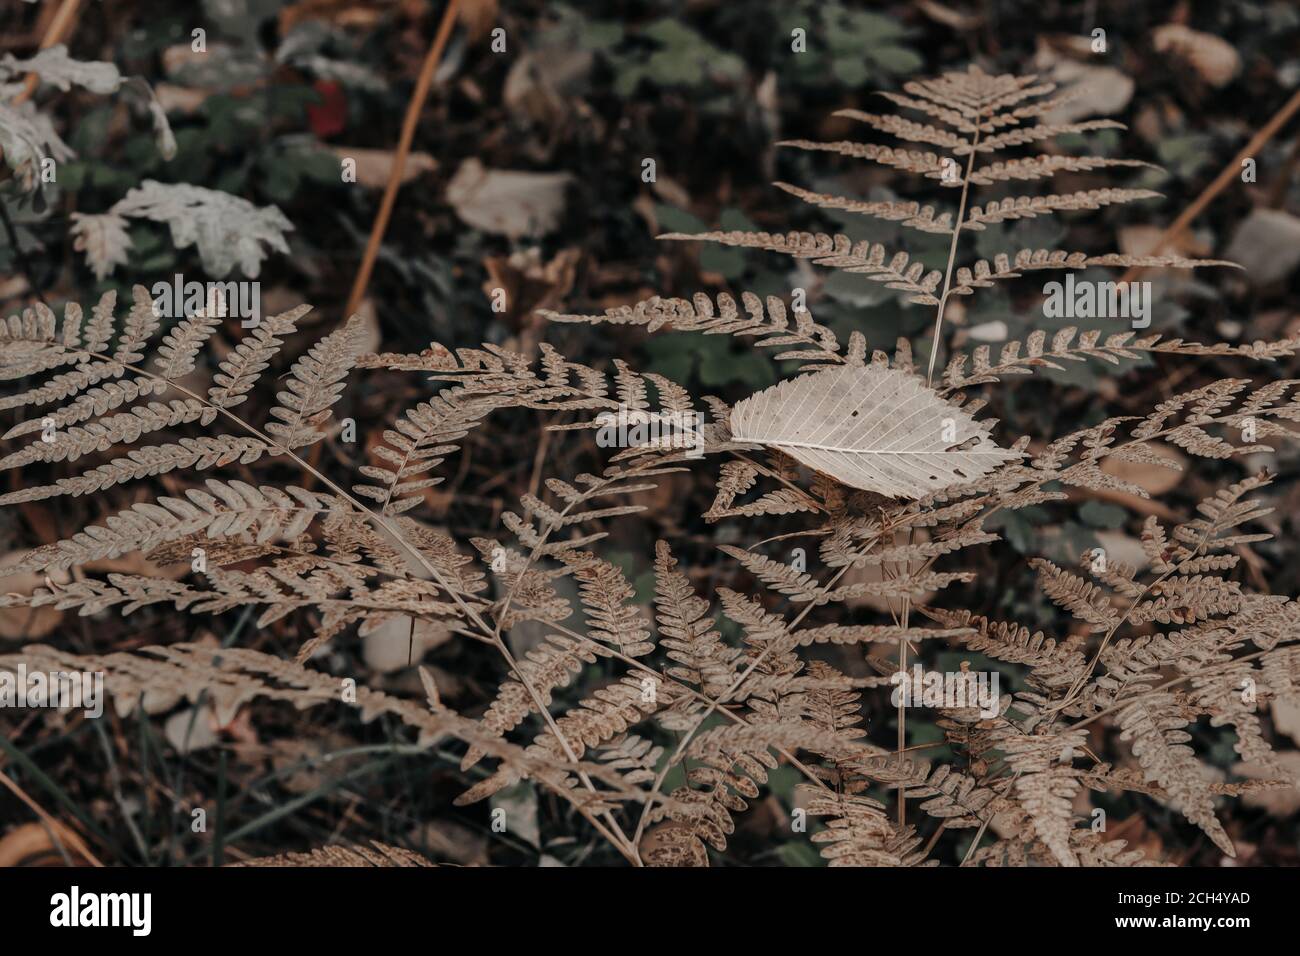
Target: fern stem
point(929, 381)
point(952, 258)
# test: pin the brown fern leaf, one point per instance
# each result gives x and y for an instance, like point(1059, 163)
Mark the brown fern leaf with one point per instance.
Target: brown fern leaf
point(316, 383)
point(1044, 786)
point(1034, 134)
point(1052, 664)
point(976, 94)
point(225, 509)
point(415, 444)
point(908, 130)
point(1045, 165)
point(1027, 207)
point(689, 637)
point(925, 164)
point(1085, 601)
point(859, 832)
point(376, 854)
point(955, 798)
point(605, 592)
point(1154, 723)
point(240, 371)
point(838, 252)
point(767, 321)
point(913, 215)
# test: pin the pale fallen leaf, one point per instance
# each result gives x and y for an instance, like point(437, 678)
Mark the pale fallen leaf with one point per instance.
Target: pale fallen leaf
point(180, 99)
point(478, 17)
point(870, 427)
point(1155, 479)
point(1142, 240)
point(540, 82)
point(1123, 549)
point(25, 623)
point(190, 730)
point(995, 331)
point(1106, 90)
point(1282, 802)
point(1286, 718)
point(375, 166)
point(1215, 60)
point(449, 840)
point(392, 647)
point(1267, 243)
point(529, 283)
point(507, 202)
point(949, 17)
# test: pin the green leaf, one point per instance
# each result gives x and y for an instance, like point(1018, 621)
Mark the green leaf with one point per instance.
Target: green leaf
point(672, 219)
point(721, 259)
point(1100, 515)
point(898, 60)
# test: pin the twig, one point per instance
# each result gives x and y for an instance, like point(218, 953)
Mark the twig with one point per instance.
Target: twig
point(56, 829)
point(409, 123)
point(58, 30)
point(1230, 172)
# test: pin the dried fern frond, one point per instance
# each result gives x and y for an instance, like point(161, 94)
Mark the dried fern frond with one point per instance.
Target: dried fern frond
point(907, 130)
point(1155, 725)
point(230, 678)
point(701, 657)
point(910, 214)
point(839, 252)
point(225, 509)
point(1046, 165)
point(975, 104)
point(1037, 351)
point(315, 385)
point(1027, 207)
point(925, 164)
point(376, 854)
point(767, 321)
point(859, 833)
